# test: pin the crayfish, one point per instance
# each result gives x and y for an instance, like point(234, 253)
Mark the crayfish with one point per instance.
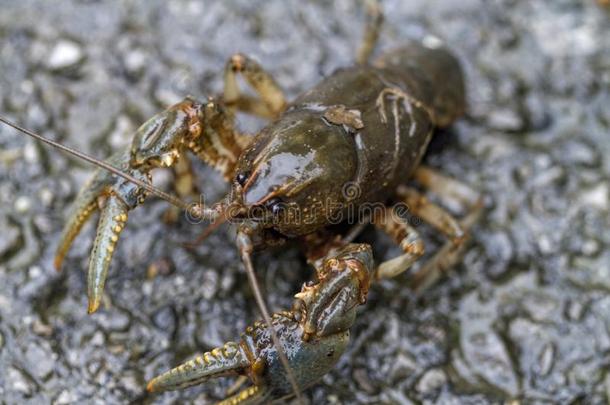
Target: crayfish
point(339, 153)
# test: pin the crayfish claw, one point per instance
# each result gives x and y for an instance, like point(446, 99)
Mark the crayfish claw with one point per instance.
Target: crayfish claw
point(114, 196)
point(229, 360)
point(158, 142)
point(313, 336)
point(112, 221)
point(86, 203)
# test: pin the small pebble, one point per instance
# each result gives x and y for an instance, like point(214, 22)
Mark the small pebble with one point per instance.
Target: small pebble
point(543, 161)
point(590, 247)
point(98, 339)
point(41, 329)
point(116, 349)
point(165, 319)
point(22, 204)
point(120, 136)
point(404, 365)
point(499, 249)
point(27, 86)
point(40, 360)
point(546, 359)
point(130, 383)
point(362, 379)
point(578, 153)
point(135, 61)
point(113, 321)
point(19, 382)
point(30, 153)
point(575, 310)
point(210, 285)
point(46, 196)
point(43, 223)
point(227, 281)
point(505, 120)
point(34, 272)
point(64, 54)
point(431, 381)
point(179, 281)
point(93, 367)
point(545, 244)
point(597, 197)
point(65, 397)
point(147, 288)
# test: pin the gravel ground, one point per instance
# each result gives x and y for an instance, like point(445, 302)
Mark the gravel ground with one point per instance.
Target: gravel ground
point(526, 316)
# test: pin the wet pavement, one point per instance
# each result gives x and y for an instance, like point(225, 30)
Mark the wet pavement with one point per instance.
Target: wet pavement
point(526, 316)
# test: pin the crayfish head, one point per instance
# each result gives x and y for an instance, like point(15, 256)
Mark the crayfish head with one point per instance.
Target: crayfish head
point(293, 175)
point(160, 141)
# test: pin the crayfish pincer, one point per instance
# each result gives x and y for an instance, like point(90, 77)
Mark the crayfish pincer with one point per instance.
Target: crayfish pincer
point(342, 152)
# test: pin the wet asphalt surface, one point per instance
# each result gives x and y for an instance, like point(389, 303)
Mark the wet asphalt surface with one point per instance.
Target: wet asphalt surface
point(525, 317)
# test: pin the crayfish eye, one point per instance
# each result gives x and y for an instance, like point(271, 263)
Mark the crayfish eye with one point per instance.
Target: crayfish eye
point(275, 205)
point(241, 178)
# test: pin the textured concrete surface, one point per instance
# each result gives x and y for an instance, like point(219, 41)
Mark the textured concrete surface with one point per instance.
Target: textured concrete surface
point(525, 317)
